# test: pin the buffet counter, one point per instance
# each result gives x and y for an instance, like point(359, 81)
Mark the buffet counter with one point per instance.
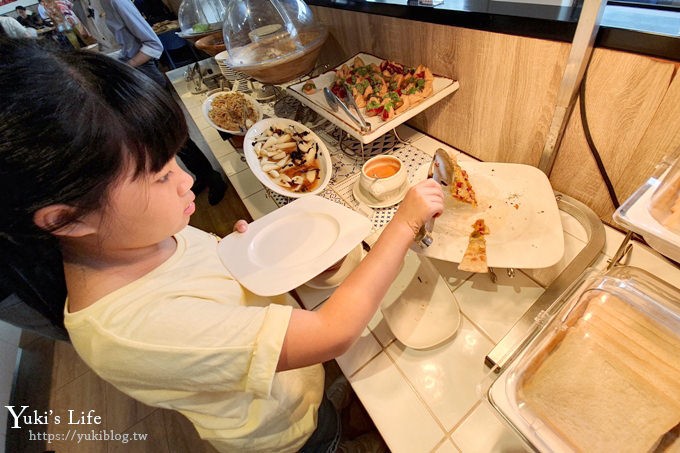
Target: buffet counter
point(424, 400)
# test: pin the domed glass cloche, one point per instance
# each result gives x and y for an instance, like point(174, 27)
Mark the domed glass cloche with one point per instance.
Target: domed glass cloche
point(273, 41)
point(201, 17)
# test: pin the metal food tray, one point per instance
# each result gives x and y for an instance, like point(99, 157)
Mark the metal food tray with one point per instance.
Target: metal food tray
point(521, 333)
point(442, 87)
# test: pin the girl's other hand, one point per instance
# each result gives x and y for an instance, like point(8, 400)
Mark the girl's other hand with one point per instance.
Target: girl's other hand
point(241, 226)
point(422, 202)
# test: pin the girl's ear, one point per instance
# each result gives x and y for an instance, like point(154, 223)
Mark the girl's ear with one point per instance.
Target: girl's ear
point(51, 215)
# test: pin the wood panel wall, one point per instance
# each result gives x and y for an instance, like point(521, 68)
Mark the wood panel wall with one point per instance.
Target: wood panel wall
point(508, 87)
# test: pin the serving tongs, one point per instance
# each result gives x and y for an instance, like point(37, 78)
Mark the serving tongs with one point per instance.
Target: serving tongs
point(441, 170)
point(335, 103)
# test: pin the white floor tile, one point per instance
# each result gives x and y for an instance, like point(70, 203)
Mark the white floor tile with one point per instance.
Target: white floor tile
point(447, 376)
point(495, 307)
point(402, 419)
point(245, 183)
point(362, 352)
point(212, 135)
point(230, 160)
point(9, 333)
point(449, 271)
point(259, 204)
point(380, 329)
point(482, 431)
point(312, 297)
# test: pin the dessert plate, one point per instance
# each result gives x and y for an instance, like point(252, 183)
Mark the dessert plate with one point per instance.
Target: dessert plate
point(419, 308)
point(291, 245)
point(333, 278)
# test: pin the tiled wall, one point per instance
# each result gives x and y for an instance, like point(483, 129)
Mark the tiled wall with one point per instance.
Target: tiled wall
point(9, 346)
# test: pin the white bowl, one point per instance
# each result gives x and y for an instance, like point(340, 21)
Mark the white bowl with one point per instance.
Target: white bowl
point(207, 104)
point(253, 161)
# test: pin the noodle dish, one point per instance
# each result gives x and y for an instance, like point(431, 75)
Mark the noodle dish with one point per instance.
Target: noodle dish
point(231, 111)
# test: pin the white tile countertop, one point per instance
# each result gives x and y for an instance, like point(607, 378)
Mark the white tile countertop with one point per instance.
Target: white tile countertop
point(429, 400)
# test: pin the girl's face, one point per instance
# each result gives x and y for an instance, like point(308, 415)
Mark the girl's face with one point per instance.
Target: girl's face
point(145, 210)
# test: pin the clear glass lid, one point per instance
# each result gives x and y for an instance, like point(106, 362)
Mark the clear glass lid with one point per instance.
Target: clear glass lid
point(271, 33)
point(665, 204)
point(200, 17)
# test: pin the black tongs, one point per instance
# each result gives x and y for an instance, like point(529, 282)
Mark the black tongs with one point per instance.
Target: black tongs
point(441, 170)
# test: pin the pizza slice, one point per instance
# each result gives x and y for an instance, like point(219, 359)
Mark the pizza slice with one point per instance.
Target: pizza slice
point(474, 259)
point(461, 189)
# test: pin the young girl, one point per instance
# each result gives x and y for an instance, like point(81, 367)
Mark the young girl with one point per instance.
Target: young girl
point(88, 158)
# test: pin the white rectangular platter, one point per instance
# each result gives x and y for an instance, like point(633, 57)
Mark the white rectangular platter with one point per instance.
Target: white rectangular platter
point(442, 87)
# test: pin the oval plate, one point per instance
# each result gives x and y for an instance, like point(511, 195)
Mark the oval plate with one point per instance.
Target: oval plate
point(254, 162)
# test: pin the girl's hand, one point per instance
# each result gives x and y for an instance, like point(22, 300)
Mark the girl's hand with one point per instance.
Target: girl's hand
point(423, 201)
point(241, 226)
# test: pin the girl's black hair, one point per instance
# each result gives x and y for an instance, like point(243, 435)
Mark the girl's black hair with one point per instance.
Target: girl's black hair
point(70, 122)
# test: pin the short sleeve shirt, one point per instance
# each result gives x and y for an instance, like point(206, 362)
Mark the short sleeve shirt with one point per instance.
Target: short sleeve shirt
point(188, 337)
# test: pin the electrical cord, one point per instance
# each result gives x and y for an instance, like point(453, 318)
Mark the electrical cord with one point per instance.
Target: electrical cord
point(591, 144)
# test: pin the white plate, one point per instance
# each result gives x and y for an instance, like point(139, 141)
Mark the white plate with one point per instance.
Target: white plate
point(518, 205)
point(442, 87)
point(254, 163)
point(289, 246)
point(419, 308)
point(332, 279)
point(208, 103)
point(371, 202)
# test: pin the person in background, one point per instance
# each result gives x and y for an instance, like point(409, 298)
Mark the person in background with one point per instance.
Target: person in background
point(42, 12)
point(67, 23)
point(87, 160)
point(141, 48)
point(12, 28)
point(28, 20)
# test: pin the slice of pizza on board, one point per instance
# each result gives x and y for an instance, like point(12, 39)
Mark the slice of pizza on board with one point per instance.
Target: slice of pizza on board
point(461, 188)
point(474, 259)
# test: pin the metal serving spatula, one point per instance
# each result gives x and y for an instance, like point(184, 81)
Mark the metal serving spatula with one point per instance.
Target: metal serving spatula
point(441, 170)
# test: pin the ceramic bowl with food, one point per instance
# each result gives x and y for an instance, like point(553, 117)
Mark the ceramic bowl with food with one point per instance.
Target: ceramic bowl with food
point(232, 112)
point(287, 157)
point(212, 44)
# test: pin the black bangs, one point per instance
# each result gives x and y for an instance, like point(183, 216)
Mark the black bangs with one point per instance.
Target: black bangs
point(149, 122)
point(70, 124)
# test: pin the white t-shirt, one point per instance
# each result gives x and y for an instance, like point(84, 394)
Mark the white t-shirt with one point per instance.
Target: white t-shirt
point(14, 29)
point(188, 337)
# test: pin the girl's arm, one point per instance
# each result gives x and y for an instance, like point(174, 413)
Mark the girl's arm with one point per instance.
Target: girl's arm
point(321, 335)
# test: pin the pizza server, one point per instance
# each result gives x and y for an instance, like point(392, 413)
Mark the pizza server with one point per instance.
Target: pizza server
point(441, 170)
